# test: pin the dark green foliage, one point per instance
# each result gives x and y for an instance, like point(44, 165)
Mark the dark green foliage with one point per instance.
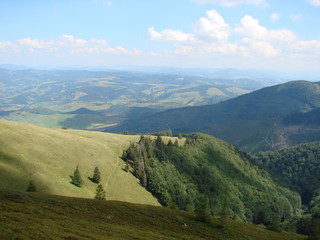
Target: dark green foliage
point(31, 187)
point(315, 202)
point(100, 193)
point(76, 178)
point(202, 209)
point(224, 214)
point(304, 225)
point(206, 165)
point(167, 133)
point(274, 225)
point(297, 166)
point(96, 178)
point(315, 226)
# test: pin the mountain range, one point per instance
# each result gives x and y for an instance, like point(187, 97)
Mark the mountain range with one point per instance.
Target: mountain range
point(266, 119)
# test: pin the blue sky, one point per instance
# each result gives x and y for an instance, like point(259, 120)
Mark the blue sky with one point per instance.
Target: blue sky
point(254, 34)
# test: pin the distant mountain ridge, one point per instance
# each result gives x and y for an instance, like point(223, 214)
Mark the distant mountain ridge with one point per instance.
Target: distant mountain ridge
point(253, 121)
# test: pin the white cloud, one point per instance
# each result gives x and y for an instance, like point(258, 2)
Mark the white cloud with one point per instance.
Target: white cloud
point(66, 44)
point(170, 35)
point(314, 2)
point(311, 46)
point(35, 43)
point(296, 17)
point(232, 3)
point(275, 17)
point(212, 27)
point(250, 27)
point(260, 48)
point(69, 40)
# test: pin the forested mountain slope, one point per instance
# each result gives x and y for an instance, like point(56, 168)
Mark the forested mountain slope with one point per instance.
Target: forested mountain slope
point(178, 175)
point(255, 121)
point(298, 167)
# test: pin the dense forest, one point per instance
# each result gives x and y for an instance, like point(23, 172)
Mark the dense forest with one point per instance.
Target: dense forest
point(299, 168)
point(178, 175)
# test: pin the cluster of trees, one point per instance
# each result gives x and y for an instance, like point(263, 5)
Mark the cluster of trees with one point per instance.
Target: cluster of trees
point(77, 180)
point(298, 167)
point(178, 175)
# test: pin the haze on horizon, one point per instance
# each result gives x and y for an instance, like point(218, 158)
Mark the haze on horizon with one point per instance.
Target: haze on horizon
point(251, 34)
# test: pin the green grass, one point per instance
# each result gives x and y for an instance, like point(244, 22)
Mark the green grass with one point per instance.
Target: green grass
point(39, 216)
point(49, 156)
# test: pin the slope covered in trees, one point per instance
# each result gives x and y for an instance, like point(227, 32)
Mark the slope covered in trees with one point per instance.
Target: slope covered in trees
point(255, 121)
point(298, 167)
point(178, 175)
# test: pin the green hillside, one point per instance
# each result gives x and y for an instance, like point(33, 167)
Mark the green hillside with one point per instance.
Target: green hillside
point(49, 157)
point(253, 121)
point(37, 216)
point(298, 167)
point(178, 175)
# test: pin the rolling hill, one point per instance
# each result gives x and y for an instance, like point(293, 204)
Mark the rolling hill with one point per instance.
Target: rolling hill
point(40, 216)
point(43, 97)
point(49, 156)
point(255, 121)
point(175, 174)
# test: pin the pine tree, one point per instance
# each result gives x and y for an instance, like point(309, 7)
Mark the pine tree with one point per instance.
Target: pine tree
point(203, 210)
point(76, 178)
point(31, 187)
point(96, 175)
point(100, 193)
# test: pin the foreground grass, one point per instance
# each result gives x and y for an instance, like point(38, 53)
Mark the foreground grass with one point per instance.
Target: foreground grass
point(39, 216)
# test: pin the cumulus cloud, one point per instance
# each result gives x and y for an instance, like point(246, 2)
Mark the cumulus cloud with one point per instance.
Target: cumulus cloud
point(212, 27)
point(250, 27)
point(170, 35)
point(314, 2)
point(211, 35)
point(275, 17)
point(232, 3)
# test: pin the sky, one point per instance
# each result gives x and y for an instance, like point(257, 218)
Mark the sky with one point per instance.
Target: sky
point(243, 34)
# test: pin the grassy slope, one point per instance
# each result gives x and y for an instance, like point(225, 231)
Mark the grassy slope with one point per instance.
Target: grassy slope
point(49, 157)
point(38, 216)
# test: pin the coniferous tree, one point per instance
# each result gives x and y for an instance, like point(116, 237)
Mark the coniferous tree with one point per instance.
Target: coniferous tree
point(203, 210)
point(169, 144)
point(96, 175)
point(76, 178)
point(100, 193)
point(31, 187)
